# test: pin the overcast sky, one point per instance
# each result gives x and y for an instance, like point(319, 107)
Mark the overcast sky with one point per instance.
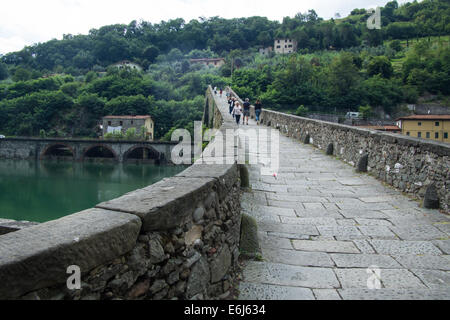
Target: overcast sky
point(25, 22)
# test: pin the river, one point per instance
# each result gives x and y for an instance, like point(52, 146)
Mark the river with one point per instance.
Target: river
point(46, 190)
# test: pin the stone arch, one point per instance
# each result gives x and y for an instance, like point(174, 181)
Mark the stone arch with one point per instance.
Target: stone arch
point(58, 150)
point(99, 151)
point(140, 152)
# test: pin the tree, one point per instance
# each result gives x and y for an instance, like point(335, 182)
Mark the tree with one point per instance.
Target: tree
point(365, 111)
point(301, 111)
point(3, 71)
point(380, 65)
point(21, 74)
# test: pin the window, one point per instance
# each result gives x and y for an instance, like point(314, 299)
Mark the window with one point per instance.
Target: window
point(419, 134)
point(109, 123)
point(132, 121)
point(278, 41)
point(436, 124)
point(278, 47)
point(121, 123)
point(445, 135)
point(428, 135)
point(407, 133)
point(436, 135)
point(419, 124)
point(290, 46)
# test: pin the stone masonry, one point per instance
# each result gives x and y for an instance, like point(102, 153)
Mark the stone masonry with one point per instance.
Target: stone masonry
point(176, 239)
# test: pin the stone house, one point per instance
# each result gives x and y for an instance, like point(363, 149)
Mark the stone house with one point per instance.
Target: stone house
point(284, 46)
point(265, 51)
point(215, 62)
point(127, 64)
point(112, 124)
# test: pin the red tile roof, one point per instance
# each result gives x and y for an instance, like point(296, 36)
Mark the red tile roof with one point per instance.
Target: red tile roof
point(387, 128)
point(426, 117)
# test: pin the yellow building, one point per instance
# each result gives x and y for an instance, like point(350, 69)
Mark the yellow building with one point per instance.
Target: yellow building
point(433, 127)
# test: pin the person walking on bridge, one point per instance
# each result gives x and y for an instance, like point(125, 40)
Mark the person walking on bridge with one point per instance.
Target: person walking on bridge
point(237, 112)
point(258, 108)
point(246, 110)
point(231, 103)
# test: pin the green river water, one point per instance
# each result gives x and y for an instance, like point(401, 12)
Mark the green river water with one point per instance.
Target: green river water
point(45, 190)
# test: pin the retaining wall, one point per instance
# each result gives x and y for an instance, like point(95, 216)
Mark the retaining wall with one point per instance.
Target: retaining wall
point(176, 239)
point(409, 164)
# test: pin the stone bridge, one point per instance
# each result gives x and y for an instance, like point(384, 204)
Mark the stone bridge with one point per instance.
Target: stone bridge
point(347, 214)
point(79, 149)
point(341, 216)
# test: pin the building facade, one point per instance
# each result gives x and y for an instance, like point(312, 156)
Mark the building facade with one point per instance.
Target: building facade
point(433, 127)
point(215, 62)
point(265, 51)
point(285, 46)
point(127, 64)
point(113, 124)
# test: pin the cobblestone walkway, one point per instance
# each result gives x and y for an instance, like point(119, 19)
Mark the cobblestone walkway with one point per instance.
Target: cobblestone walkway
point(322, 225)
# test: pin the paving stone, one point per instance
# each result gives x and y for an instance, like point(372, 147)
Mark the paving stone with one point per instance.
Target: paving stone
point(269, 210)
point(373, 222)
point(394, 294)
point(423, 262)
point(346, 222)
point(297, 229)
point(358, 214)
point(376, 199)
point(257, 186)
point(312, 221)
point(326, 294)
point(422, 232)
point(266, 241)
point(444, 227)
point(263, 217)
point(380, 232)
point(364, 206)
point(390, 278)
point(318, 213)
point(258, 291)
point(404, 247)
point(402, 213)
point(325, 246)
point(348, 232)
point(286, 275)
point(297, 258)
point(364, 246)
point(364, 261)
point(444, 245)
point(434, 279)
point(294, 198)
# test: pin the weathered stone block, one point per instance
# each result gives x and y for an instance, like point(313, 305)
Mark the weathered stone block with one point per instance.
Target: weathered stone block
point(38, 256)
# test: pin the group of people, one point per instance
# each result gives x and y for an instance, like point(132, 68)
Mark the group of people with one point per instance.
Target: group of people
point(237, 111)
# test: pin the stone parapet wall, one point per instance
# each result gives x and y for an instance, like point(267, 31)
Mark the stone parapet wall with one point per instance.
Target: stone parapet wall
point(409, 164)
point(176, 239)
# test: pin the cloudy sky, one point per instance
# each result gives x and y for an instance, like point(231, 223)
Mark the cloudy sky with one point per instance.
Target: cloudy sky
point(25, 22)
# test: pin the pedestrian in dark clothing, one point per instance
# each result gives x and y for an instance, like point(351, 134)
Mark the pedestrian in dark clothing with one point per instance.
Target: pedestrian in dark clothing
point(258, 108)
point(246, 110)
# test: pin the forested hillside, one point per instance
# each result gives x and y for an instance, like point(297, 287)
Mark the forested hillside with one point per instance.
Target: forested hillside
point(63, 87)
